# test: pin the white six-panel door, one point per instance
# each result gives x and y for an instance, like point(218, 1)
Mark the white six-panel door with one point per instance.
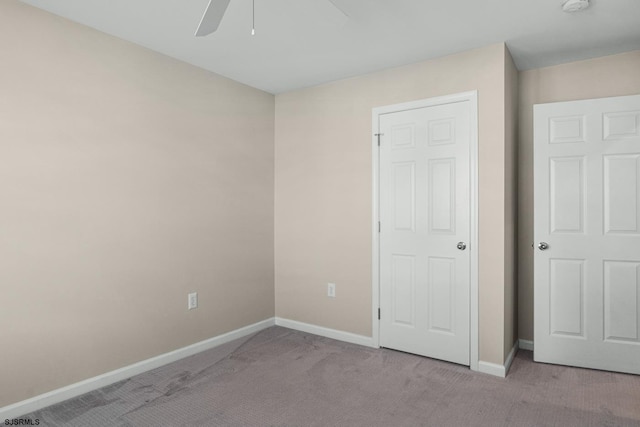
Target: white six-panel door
point(587, 232)
point(424, 209)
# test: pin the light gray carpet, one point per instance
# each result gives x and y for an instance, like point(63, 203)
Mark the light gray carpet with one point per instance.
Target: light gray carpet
point(280, 377)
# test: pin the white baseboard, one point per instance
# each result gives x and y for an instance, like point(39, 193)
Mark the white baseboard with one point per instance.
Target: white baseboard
point(491, 369)
point(510, 356)
point(525, 345)
point(325, 332)
point(499, 370)
point(74, 390)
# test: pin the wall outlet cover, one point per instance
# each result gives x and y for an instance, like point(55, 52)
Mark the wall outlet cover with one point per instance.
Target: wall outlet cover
point(331, 290)
point(193, 301)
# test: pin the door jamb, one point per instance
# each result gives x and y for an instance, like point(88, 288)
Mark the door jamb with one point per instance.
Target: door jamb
point(472, 97)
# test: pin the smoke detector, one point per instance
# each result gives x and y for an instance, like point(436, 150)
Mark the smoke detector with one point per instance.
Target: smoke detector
point(574, 5)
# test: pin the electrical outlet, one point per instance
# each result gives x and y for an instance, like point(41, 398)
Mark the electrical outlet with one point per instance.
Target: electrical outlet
point(193, 301)
point(331, 290)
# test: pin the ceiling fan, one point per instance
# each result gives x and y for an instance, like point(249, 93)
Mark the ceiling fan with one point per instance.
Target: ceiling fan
point(216, 9)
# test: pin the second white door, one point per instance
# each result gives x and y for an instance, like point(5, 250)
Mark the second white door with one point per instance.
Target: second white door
point(587, 229)
point(425, 231)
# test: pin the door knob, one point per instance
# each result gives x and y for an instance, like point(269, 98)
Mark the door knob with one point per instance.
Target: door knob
point(462, 246)
point(543, 246)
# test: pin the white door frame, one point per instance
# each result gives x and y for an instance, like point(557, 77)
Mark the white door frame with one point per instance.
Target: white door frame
point(472, 97)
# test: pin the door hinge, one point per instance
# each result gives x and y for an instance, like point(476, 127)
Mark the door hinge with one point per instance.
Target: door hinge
point(379, 227)
point(379, 135)
point(378, 313)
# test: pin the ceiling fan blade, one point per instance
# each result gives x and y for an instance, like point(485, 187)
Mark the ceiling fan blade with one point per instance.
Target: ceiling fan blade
point(333, 2)
point(212, 17)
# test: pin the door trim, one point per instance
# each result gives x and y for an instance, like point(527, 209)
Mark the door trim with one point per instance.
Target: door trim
point(472, 97)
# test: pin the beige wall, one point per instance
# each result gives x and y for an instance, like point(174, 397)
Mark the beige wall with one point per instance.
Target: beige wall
point(615, 75)
point(511, 204)
point(127, 179)
point(324, 184)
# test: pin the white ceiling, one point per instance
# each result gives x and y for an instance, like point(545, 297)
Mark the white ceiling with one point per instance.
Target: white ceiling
point(300, 43)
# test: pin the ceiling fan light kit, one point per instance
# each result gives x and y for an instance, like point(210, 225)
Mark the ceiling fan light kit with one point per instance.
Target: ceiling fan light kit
point(574, 5)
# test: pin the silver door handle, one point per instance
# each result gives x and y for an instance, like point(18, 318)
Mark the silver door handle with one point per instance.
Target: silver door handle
point(543, 246)
point(462, 246)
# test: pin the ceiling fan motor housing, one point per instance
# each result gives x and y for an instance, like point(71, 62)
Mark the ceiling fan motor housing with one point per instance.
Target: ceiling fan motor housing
point(574, 5)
